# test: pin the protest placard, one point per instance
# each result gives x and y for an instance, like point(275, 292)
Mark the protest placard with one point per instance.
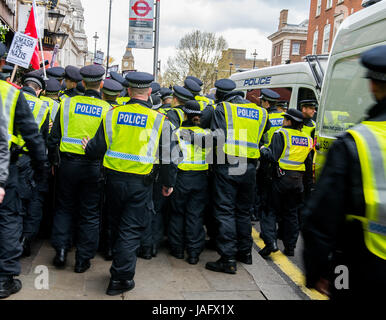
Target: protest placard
point(21, 50)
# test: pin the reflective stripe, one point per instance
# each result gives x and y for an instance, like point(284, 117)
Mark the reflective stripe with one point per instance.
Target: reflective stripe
point(55, 109)
point(109, 126)
point(130, 157)
point(72, 140)
point(42, 113)
point(244, 144)
point(154, 135)
point(264, 121)
point(296, 163)
point(193, 162)
point(231, 126)
point(377, 164)
point(66, 116)
point(288, 149)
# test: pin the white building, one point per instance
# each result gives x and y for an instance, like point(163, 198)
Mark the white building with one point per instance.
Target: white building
point(75, 49)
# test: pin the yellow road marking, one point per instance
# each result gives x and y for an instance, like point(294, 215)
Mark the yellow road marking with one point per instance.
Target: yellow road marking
point(291, 270)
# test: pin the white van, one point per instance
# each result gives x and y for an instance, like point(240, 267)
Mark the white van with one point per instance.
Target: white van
point(294, 82)
point(346, 96)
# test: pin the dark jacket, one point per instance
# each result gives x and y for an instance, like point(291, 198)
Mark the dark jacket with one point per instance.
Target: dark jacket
point(331, 240)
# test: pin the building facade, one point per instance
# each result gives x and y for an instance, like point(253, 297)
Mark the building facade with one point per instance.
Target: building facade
point(75, 49)
point(325, 18)
point(289, 42)
point(235, 60)
point(8, 20)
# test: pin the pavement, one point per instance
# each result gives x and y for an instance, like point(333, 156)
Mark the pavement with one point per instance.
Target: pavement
point(162, 278)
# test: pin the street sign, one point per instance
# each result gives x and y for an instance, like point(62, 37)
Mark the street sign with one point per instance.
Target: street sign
point(22, 49)
point(141, 21)
point(99, 56)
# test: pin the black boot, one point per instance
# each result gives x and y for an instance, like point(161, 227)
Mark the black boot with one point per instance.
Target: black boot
point(244, 257)
point(117, 287)
point(193, 259)
point(26, 244)
point(289, 252)
point(82, 266)
point(60, 258)
point(8, 287)
point(268, 249)
point(145, 253)
point(154, 250)
point(177, 254)
point(223, 265)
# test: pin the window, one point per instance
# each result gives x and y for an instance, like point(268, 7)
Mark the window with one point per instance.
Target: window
point(347, 97)
point(326, 38)
point(254, 95)
point(279, 50)
point(296, 48)
point(315, 42)
point(329, 4)
point(274, 51)
point(318, 7)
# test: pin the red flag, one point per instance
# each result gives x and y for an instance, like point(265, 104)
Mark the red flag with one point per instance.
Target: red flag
point(31, 31)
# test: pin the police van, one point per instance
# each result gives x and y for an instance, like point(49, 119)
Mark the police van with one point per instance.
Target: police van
point(345, 94)
point(294, 82)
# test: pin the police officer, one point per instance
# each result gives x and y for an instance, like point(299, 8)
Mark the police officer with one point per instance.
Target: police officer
point(166, 96)
point(56, 72)
point(111, 90)
point(31, 195)
point(6, 73)
point(282, 106)
point(290, 150)
point(18, 119)
point(51, 95)
point(79, 178)
point(188, 202)
point(239, 129)
point(71, 78)
point(180, 96)
point(195, 89)
point(309, 108)
point(129, 173)
point(124, 96)
point(198, 97)
point(345, 220)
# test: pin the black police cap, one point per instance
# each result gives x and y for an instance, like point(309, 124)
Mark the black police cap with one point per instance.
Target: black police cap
point(112, 87)
point(269, 95)
point(295, 115)
point(312, 103)
point(117, 77)
point(192, 107)
point(72, 73)
point(35, 77)
point(182, 94)
point(192, 86)
point(225, 85)
point(139, 79)
point(196, 80)
point(155, 88)
point(92, 73)
point(375, 61)
point(166, 93)
point(56, 72)
point(53, 85)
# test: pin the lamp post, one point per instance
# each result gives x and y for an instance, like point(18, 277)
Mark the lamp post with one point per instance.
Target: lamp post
point(255, 54)
point(55, 20)
point(108, 40)
point(230, 68)
point(95, 37)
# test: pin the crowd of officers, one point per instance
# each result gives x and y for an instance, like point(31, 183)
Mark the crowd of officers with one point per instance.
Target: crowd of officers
point(120, 163)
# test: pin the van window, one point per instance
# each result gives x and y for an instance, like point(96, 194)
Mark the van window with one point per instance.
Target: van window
point(348, 97)
point(254, 95)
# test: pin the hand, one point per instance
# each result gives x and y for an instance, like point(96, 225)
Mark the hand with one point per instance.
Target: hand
point(2, 194)
point(53, 170)
point(166, 192)
point(50, 125)
point(262, 147)
point(85, 142)
point(323, 286)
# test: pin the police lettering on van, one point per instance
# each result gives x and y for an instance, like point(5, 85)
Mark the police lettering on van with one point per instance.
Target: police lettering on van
point(257, 81)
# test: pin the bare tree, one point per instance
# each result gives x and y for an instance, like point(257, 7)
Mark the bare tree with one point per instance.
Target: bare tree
point(198, 54)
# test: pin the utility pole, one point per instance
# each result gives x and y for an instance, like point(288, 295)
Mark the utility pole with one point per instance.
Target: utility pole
point(108, 40)
point(230, 68)
point(96, 39)
point(156, 39)
point(255, 54)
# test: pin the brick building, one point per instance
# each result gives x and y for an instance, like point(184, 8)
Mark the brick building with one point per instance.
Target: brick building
point(289, 41)
point(325, 18)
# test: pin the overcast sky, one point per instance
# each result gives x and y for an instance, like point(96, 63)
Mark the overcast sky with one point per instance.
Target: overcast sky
point(244, 24)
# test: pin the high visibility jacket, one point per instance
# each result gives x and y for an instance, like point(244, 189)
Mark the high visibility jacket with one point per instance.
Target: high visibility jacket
point(164, 110)
point(132, 134)
point(9, 96)
point(181, 116)
point(309, 130)
point(245, 126)
point(203, 101)
point(54, 106)
point(123, 100)
point(80, 117)
point(276, 120)
point(370, 139)
point(194, 155)
point(297, 146)
point(336, 118)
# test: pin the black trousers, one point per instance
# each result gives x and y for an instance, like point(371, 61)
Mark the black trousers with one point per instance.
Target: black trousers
point(209, 219)
point(78, 193)
point(186, 224)
point(11, 225)
point(129, 206)
point(234, 198)
point(287, 196)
